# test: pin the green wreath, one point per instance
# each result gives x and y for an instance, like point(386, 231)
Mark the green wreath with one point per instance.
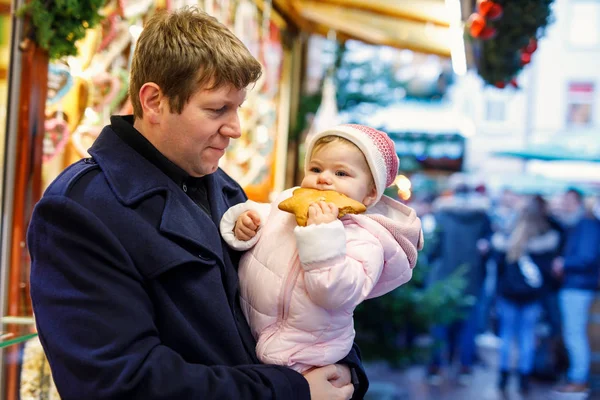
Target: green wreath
point(505, 35)
point(56, 25)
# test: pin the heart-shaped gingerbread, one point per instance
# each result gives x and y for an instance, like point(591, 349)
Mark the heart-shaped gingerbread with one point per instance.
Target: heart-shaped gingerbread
point(110, 29)
point(106, 88)
point(56, 137)
point(60, 82)
point(83, 138)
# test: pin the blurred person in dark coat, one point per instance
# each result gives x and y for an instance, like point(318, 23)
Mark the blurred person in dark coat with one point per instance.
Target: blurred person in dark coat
point(552, 283)
point(596, 208)
point(579, 269)
point(463, 231)
point(524, 261)
point(504, 212)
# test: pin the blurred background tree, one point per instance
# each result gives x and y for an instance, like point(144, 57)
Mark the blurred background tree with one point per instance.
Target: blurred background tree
point(359, 80)
point(386, 326)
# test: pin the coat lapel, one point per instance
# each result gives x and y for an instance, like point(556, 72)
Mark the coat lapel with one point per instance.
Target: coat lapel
point(218, 190)
point(133, 179)
point(184, 220)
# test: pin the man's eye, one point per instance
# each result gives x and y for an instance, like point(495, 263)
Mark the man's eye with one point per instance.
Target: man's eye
point(220, 110)
point(341, 173)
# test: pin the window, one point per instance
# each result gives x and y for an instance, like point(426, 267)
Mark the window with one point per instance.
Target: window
point(580, 100)
point(584, 25)
point(495, 110)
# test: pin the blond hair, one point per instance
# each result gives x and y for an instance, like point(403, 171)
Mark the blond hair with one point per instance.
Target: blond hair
point(185, 50)
point(325, 140)
point(532, 222)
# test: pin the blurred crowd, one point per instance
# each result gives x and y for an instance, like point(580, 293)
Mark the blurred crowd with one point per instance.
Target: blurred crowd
point(533, 270)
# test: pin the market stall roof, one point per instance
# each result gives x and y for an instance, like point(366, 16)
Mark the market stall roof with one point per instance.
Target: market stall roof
point(411, 116)
point(585, 151)
point(539, 184)
point(422, 25)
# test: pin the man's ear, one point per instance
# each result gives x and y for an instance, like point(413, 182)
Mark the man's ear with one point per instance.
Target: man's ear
point(150, 99)
point(370, 197)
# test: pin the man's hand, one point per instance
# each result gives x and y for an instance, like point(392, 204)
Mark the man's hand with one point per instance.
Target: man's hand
point(321, 213)
point(343, 377)
point(483, 245)
point(246, 225)
point(321, 382)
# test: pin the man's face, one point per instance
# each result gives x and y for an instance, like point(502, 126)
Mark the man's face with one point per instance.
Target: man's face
point(509, 199)
point(196, 139)
point(571, 203)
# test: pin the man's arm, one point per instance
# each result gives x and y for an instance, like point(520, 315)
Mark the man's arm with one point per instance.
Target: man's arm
point(96, 322)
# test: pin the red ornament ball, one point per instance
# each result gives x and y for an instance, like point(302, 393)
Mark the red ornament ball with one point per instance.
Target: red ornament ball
point(476, 24)
point(531, 46)
point(489, 9)
point(525, 58)
point(488, 33)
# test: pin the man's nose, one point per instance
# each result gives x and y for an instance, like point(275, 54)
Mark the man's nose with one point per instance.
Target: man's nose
point(232, 127)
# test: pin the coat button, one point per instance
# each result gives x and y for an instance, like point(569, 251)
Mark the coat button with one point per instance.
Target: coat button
point(184, 187)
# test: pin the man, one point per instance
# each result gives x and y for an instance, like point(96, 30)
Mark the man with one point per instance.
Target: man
point(579, 269)
point(135, 294)
point(463, 229)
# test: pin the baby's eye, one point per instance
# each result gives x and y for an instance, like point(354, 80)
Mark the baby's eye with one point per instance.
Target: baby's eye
point(315, 170)
point(341, 173)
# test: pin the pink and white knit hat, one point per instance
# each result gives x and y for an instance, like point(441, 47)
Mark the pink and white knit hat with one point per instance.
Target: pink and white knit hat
point(377, 147)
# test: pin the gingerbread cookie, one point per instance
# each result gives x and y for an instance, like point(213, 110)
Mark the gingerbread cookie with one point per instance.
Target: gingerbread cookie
point(302, 198)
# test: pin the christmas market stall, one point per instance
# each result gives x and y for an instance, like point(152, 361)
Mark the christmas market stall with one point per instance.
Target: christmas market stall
point(68, 73)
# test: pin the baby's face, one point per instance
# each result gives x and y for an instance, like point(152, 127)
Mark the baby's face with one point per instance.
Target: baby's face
point(341, 167)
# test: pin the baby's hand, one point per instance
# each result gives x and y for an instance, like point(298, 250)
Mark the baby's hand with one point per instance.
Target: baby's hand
point(321, 213)
point(246, 225)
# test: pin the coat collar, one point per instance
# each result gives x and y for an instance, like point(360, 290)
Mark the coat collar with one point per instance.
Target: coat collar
point(133, 179)
point(130, 176)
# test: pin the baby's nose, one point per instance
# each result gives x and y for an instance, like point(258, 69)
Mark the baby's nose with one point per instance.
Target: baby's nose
point(324, 178)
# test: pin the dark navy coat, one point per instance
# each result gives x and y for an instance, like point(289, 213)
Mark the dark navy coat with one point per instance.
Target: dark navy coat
point(582, 255)
point(134, 292)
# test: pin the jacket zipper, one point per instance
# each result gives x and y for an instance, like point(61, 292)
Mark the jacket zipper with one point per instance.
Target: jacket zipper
point(287, 291)
point(284, 299)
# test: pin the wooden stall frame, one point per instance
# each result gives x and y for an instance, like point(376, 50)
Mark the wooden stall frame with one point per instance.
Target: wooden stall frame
point(8, 178)
point(22, 182)
point(27, 188)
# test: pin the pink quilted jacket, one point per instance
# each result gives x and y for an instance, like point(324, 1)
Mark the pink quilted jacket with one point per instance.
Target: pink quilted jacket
point(300, 285)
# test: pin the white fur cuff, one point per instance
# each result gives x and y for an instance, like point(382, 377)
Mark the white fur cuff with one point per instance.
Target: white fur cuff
point(320, 242)
point(230, 217)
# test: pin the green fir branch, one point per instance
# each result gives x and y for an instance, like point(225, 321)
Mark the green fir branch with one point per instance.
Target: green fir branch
point(56, 25)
